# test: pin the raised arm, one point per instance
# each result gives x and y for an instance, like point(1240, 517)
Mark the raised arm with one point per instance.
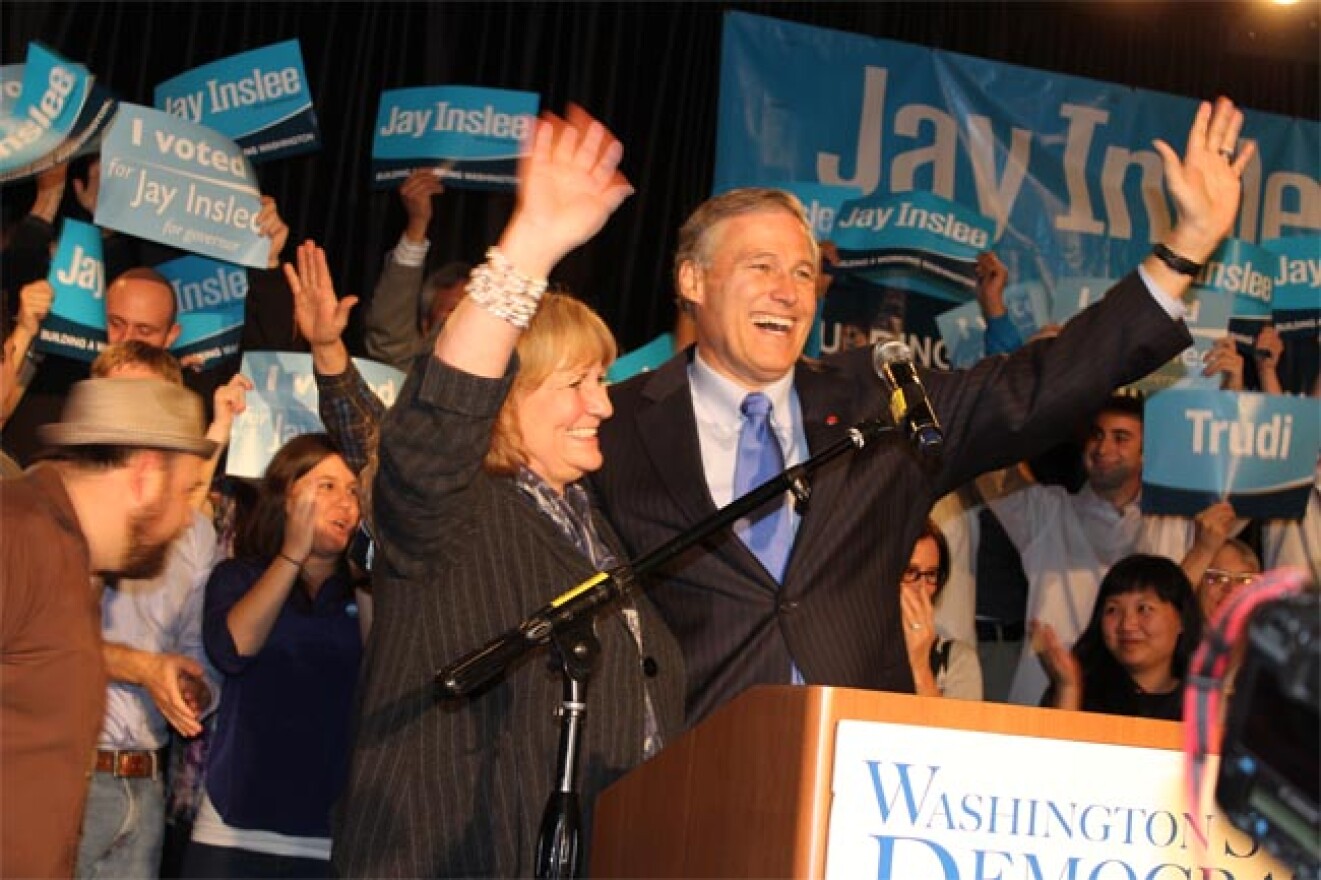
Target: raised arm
point(568, 186)
point(348, 408)
point(392, 334)
point(34, 302)
point(1206, 189)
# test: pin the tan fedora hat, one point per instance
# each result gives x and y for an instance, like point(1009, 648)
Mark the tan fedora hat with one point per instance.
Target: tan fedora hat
point(138, 413)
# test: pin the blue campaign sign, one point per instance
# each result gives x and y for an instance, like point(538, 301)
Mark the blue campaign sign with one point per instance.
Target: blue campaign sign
point(1296, 311)
point(1062, 165)
point(471, 136)
point(75, 327)
point(11, 86)
point(211, 296)
point(963, 328)
point(46, 110)
point(260, 99)
point(1207, 320)
point(1243, 270)
point(821, 203)
point(1258, 451)
point(926, 243)
point(1072, 295)
point(1297, 272)
point(168, 180)
point(283, 404)
point(642, 360)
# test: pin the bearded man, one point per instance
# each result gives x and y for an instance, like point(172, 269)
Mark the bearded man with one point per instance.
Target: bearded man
point(124, 462)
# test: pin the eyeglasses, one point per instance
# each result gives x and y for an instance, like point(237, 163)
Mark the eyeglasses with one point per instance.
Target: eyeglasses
point(913, 575)
point(1216, 577)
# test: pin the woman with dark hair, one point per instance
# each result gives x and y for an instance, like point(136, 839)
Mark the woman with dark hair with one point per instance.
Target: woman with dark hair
point(1132, 658)
point(942, 666)
point(285, 625)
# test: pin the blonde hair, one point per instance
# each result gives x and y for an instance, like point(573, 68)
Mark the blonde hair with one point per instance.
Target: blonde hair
point(136, 352)
point(563, 334)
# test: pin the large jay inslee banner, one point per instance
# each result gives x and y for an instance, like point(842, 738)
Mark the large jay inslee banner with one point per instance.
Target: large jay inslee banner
point(1061, 167)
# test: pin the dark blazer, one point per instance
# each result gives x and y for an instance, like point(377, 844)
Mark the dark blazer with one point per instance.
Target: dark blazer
point(837, 613)
point(458, 789)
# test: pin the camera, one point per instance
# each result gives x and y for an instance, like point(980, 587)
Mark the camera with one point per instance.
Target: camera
point(1269, 775)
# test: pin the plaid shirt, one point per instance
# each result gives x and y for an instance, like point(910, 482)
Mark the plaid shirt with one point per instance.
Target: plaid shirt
point(352, 415)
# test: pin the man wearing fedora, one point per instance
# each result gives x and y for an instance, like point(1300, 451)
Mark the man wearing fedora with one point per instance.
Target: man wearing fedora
point(123, 463)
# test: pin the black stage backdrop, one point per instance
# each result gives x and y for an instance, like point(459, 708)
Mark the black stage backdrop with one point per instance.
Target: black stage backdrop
point(648, 70)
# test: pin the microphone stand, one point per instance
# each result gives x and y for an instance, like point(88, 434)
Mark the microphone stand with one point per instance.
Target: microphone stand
point(567, 621)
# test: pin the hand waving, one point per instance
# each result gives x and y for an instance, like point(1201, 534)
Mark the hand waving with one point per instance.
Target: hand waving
point(568, 186)
point(320, 317)
point(1205, 185)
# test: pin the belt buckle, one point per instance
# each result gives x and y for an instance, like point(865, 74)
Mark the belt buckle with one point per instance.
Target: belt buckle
point(122, 764)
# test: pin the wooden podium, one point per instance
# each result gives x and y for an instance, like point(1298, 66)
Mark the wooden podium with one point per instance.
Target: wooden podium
point(747, 793)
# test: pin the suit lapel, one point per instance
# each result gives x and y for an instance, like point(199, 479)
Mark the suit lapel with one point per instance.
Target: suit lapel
point(828, 413)
point(668, 430)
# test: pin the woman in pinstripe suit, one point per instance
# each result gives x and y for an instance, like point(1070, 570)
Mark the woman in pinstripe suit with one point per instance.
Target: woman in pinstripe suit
point(480, 522)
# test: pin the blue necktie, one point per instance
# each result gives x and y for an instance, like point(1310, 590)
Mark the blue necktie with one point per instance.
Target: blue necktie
point(768, 532)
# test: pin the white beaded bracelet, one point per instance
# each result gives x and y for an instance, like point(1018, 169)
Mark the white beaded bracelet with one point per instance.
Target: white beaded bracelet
point(502, 290)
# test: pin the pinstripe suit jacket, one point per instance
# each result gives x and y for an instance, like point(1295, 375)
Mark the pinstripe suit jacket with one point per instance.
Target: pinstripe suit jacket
point(458, 790)
point(837, 612)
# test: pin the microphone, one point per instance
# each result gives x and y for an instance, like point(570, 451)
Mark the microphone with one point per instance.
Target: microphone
point(909, 406)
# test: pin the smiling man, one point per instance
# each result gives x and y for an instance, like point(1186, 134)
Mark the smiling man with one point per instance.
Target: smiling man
point(810, 594)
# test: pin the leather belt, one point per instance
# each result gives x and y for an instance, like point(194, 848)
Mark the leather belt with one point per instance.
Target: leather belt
point(128, 763)
point(996, 631)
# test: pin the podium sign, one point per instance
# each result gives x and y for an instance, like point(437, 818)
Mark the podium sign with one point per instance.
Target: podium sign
point(921, 803)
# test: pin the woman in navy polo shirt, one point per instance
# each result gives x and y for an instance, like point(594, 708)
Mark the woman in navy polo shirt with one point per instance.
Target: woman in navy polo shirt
point(285, 625)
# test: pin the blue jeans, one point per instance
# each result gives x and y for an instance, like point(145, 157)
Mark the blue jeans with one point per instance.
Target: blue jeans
point(123, 826)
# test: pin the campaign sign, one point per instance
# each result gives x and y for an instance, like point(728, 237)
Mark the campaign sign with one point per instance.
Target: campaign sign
point(963, 328)
point(283, 404)
point(1296, 310)
point(821, 203)
point(1062, 164)
point(11, 86)
point(259, 99)
point(46, 109)
point(1258, 451)
point(931, 242)
point(1207, 319)
point(211, 296)
point(642, 360)
point(470, 136)
point(75, 327)
point(183, 185)
point(1244, 270)
point(1076, 293)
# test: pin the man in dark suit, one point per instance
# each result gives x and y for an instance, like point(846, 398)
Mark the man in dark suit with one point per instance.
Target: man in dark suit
point(825, 610)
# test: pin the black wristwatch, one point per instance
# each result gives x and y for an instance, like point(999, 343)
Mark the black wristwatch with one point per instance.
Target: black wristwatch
point(1182, 265)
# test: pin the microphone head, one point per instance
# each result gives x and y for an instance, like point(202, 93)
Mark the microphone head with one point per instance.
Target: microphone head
point(892, 352)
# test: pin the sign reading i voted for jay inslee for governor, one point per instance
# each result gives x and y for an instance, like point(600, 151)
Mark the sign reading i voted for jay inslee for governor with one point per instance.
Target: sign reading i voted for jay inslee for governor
point(1258, 451)
point(259, 99)
point(171, 181)
point(470, 137)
